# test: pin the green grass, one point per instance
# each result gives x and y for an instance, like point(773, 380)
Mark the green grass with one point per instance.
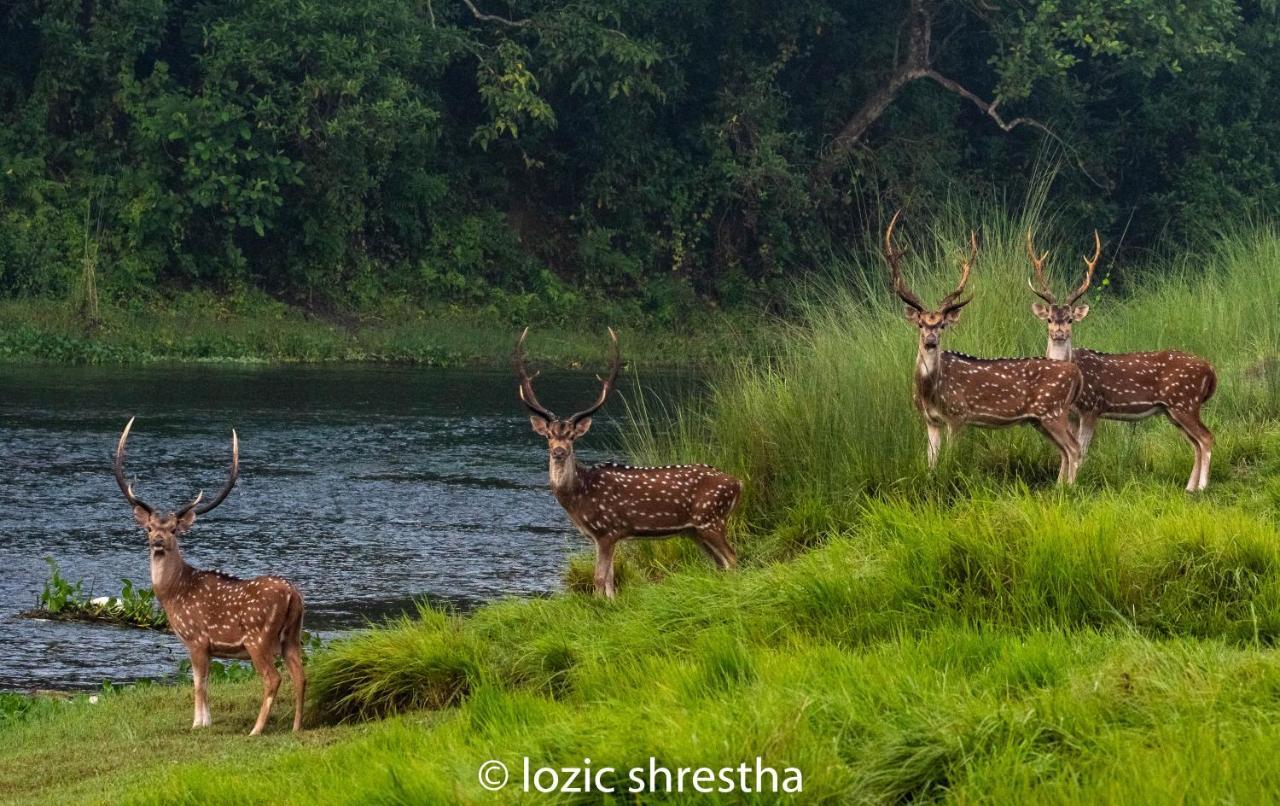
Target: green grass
point(974, 635)
point(201, 327)
point(829, 420)
point(1027, 644)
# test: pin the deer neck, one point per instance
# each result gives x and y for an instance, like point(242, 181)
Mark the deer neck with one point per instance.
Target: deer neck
point(1059, 350)
point(168, 573)
point(928, 366)
point(566, 476)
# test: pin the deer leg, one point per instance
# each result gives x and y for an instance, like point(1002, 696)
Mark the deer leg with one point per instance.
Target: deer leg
point(264, 661)
point(293, 660)
point(291, 651)
point(200, 679)
point(1206, 442)
point(604, 566)
point(712, 540)
point(1058, 430)
point(1188, 422)
point(935, 443)
point(1205, 439)
point(1084, 432)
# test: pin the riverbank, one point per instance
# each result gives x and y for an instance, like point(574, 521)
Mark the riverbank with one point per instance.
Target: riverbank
point(974, 634)
point(198, 327)
point(1092, 646)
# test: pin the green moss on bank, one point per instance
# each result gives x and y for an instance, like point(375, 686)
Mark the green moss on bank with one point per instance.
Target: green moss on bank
point(201, 327)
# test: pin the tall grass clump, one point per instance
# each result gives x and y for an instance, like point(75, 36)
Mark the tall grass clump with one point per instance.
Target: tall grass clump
point(829, 419)
point(1134, 560)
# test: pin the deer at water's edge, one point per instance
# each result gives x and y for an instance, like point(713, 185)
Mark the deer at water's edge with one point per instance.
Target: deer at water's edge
point(610, 503)
point(216, 615)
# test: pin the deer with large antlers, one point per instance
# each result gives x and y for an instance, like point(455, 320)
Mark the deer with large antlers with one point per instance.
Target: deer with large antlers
point(216, 615)
point(1126, 386)
point(610, 503)
point(953, 390)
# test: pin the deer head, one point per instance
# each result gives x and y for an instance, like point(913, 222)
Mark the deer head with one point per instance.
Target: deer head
point(1059, 316)
point(560, 432)
point(929, 322)
point(163, 528)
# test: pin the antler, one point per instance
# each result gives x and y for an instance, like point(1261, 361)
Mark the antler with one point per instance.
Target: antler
point(226, 488)
point(949, 301)
point(895, 259)
point(1043, 291)
point(1088, 273)
point(606, 384)
point(118, 471)
point(527, 397)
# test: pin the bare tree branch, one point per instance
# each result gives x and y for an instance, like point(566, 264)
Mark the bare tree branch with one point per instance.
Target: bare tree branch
point(479, 15)
point(1009, 125)
point(917, 64)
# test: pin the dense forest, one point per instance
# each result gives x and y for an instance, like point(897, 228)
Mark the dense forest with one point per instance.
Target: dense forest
point(330, 153)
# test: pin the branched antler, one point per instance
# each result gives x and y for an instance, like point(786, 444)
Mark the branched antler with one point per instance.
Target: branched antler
point(1042, 291)
point(894, 256)
point(949, 301)
point(1090, 264)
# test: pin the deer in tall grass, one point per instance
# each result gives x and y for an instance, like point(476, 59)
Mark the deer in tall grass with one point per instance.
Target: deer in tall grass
point(1126, 386)
point(610, 503)
point(216, 615)
point(953, 390)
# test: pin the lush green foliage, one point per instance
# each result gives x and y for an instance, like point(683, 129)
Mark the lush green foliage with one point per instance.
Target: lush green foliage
point(975, 635)
point(134, 606)
point(829, 420)
point(658, 151)
point(1065, 649)
point(250, 327)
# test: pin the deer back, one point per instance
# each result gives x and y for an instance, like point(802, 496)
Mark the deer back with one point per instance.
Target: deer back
point(995, 391)
point(227, 612)
point(1136, 383)
point(620, 499)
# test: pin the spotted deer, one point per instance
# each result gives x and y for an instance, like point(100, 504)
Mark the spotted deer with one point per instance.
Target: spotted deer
point(216, 615)
point(953, 390)
point(1126, 386)
point(610, 503)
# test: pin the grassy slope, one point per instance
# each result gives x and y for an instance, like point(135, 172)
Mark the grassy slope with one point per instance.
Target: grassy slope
point(201, 327)
point(892, 634)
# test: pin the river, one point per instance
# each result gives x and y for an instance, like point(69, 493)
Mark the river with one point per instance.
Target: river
point(369, 487)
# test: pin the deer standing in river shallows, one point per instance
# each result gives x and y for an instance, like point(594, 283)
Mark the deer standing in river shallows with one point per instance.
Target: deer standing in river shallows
point(610, 503)
point(216, 615)
point(1126, 386)
point(953, 390)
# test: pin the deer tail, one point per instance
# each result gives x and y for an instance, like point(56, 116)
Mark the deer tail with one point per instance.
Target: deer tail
point(291, 630)
point(1210, 386)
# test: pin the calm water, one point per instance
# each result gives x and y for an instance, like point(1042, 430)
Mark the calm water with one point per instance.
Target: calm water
point(367, 487)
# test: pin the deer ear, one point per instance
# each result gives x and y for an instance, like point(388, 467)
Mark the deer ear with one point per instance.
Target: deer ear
point(1080, 312)
point(582, 427)
point(950, 317)
point(1040, 310)
point(141, 516)
point(913, 316)
point(184, 522)
point(540, 426)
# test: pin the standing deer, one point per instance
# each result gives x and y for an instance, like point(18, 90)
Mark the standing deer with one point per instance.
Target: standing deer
point(610, 503)
point(953, 390)
point(216, 615)
point(1126, 386)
